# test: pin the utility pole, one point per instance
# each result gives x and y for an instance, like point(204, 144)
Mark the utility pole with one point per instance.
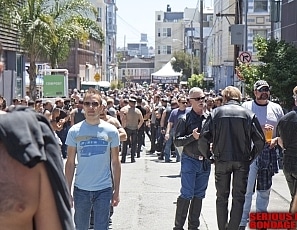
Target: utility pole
point(192, 48)
point(237, 20)
point(201, 39)
point(246, 5)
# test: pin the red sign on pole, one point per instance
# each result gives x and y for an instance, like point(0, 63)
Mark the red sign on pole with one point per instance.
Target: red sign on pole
point(245, 57)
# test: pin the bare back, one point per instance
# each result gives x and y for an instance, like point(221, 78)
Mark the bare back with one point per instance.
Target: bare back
point(26, 197)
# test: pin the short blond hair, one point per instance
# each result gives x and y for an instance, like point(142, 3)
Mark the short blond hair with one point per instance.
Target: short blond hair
point(232, 93)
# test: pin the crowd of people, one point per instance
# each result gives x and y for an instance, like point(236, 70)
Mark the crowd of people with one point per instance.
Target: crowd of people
point(196, 127)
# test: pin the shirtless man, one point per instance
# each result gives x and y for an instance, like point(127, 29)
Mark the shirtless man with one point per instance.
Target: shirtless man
point(112, 120)
point(27, 200)
point(132, 120)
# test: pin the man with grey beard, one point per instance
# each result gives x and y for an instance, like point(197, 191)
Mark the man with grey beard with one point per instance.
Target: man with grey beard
point(265, 165)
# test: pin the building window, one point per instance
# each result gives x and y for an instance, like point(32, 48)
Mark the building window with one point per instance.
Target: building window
point(99, 14)
point(159, 32)
point(260, 5)
point(166, 32)
point(168, 49)
point(159, 50)
point(123, 72)
point(257, 33)
point(159, 17)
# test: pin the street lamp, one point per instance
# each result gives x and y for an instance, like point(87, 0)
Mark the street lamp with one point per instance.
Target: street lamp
point(126, 71)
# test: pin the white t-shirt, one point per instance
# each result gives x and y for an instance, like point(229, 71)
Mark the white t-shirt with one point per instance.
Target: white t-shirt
point(266, 114)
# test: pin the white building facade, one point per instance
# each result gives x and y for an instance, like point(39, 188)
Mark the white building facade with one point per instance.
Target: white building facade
point(220, 52)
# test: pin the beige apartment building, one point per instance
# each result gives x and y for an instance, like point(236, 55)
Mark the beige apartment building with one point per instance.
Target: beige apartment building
point(179, 31)
point(169, 35)
point(220, 52)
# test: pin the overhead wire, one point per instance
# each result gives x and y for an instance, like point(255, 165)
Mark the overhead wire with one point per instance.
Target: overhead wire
point(135, 31)
point(195, 10)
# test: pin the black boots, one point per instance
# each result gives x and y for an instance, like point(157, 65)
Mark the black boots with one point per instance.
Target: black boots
point(182, 207)
point(194, 214)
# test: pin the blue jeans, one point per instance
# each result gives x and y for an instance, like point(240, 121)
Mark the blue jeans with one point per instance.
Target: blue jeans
point(84, 201)
point(262, 199)
point(167, 149)
point(194, 177)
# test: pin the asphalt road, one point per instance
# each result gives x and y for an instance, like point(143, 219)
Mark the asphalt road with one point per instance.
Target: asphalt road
point(150, 187)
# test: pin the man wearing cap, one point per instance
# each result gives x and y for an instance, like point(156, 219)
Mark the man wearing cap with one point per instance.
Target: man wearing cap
point(75, 96)
point(265, 165)
point(132, 120)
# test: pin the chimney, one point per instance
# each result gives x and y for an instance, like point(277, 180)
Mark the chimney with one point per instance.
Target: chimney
point(168, 8)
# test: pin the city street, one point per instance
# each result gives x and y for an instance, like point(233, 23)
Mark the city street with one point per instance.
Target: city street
point(149, 189)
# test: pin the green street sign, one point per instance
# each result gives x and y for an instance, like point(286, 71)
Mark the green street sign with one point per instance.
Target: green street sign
point(53, 85)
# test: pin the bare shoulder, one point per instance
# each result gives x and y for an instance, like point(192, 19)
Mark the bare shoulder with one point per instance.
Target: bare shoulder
point(22, 195)
point(19, 192)
point(114, 121)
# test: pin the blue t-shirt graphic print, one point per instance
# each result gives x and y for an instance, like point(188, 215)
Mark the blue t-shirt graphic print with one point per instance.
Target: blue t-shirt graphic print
point(93, 146)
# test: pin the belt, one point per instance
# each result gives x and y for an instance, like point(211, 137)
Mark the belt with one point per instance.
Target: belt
point(195, 156)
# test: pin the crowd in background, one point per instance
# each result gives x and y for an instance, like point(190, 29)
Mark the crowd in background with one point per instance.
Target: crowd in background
point(153, 101)
point(163, 115)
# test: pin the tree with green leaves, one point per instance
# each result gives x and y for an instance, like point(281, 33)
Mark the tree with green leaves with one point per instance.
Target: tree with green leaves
point(196, 81)
point(183, 62)
point(277, 65)
point(70, 26)
point(46, 28)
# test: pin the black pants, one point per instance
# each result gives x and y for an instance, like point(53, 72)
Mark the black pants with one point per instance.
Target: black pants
point(290, 172)
point(140, 139)
point(153, 137)
point(223, 171)
point(132, 137)
point(62, 134)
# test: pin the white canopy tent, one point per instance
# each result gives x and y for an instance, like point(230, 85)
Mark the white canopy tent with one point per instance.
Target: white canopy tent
point(166, 74)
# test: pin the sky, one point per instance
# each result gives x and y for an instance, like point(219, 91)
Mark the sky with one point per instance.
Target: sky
point(138, 16)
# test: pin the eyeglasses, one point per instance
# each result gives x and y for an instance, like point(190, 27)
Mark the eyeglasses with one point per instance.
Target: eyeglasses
point(295, 97)
point(183, 102)
point(88, 104)
point(197, 98)
point(264, 89)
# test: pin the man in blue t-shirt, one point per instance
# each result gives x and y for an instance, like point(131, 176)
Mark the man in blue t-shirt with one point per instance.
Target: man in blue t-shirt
point(98, 170)
point(170, 130)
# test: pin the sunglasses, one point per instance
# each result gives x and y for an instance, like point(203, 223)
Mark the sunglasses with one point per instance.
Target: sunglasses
point(183, 102)
point(263, 89)
point(94, 103)
point(197, 98)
